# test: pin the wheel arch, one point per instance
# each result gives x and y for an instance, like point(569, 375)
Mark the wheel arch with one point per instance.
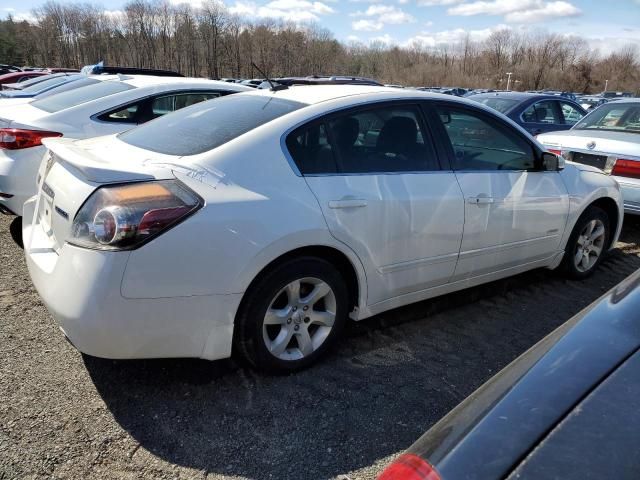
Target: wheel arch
point(351, 271)
point(611, 208)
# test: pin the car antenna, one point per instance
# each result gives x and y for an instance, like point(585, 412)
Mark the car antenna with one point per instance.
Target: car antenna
point(274, 87)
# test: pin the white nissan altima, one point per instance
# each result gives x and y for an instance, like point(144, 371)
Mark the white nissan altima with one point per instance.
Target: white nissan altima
point(260, 222)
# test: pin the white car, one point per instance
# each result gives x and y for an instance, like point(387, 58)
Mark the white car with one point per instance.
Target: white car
point(608, 138)
point(260, 222)
point(110, 105)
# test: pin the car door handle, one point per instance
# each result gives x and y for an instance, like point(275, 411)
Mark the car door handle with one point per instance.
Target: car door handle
point(348, 203)
point(480, 200)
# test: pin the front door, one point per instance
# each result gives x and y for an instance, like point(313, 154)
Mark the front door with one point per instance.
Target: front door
point(515, 213)
point(383, 193)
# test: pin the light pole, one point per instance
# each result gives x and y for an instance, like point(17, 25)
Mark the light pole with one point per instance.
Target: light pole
point(606, 84)
point(509, 80)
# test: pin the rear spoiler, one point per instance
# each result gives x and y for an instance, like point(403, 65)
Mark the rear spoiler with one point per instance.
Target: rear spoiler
point(91, 167)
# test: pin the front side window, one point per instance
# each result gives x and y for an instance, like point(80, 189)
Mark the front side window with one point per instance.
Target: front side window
point(378, 140)
point(541, 112)
point(482, 144)
point(571, 114)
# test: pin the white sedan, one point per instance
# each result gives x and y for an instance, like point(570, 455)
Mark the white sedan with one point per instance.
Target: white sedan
point(608, 138)
point(108, 105)
point(260, 222)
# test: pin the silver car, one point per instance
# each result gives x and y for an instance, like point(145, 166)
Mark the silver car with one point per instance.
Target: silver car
point(608, 138)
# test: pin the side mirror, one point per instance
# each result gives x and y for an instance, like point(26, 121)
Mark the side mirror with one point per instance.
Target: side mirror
point(552, 162)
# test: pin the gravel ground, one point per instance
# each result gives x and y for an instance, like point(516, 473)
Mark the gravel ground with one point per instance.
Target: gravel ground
point(63, 415)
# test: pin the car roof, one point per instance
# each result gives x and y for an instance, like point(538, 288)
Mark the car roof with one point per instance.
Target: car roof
point(150, 80)
point(311, 95)
point(520, 96)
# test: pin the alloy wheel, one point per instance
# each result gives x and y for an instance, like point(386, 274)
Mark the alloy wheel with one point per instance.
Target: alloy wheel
point(299, 319)
point(590, 245)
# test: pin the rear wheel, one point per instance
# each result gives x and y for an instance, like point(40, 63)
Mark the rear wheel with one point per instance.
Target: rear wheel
point(292, 315)
point(587, 244)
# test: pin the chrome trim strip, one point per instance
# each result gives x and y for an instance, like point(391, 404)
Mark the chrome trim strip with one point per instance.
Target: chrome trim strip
point(422, 262)
point(506, 246)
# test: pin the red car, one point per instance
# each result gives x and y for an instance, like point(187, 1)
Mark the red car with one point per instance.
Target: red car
point(16, 77)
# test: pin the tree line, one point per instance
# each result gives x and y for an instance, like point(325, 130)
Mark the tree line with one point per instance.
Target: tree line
point(211, 42)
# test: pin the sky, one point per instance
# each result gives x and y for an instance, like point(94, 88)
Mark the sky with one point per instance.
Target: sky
point(607, 24)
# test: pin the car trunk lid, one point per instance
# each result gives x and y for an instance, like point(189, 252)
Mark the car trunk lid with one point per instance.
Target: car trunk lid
point(70, 172)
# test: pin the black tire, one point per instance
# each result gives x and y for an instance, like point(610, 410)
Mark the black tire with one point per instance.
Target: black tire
point(568, 266)
point(15, 228)
point(249, 342)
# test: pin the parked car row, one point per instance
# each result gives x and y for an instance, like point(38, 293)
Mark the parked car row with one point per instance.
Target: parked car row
point(166, 216)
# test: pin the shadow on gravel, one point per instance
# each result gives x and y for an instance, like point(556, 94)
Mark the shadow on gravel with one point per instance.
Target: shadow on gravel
point(390, 379)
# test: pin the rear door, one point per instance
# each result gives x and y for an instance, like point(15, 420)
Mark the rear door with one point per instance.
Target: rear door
point(515, 212)
point(383, 193)
point(543, 116)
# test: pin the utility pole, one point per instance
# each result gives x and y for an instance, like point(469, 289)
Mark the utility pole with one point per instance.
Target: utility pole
point(509, 80)
point(606, 84)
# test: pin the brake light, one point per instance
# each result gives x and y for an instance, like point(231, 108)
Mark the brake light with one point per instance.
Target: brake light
point(17, 138)
point(409, 467)
point(554, 151)
point(125, 216)
point(626, 168)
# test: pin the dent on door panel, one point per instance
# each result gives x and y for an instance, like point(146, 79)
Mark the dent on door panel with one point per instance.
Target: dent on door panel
point(406, 228)
point(524, 223)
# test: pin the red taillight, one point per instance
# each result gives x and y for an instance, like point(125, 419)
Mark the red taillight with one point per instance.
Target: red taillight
point(626, 168)
point(409, 467)
point(158, 219)
point(17, 138)
point(554, 151)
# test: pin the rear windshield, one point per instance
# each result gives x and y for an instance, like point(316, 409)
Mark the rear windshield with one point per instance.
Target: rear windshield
point(49, 82)
point(614, 116)
point(65, 87)
point(207, 125)
point(74, 97)
point(34, 80)
point(500, 104)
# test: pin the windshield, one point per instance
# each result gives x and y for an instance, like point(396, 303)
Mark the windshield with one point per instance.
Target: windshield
point(500, 104)
point(208, 125)
point(619, 117)
point(74, 97)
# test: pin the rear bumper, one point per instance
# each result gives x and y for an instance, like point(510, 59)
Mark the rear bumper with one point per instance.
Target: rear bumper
point(18, 171)
point(81, 289)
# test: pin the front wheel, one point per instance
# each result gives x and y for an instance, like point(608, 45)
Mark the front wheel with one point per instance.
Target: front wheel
point(292, 315)
point(587, 244)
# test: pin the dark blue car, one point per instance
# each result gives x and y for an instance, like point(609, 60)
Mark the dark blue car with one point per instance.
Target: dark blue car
point(536, 113)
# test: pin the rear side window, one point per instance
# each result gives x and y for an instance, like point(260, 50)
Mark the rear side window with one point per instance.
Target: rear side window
point(153, 107)
point(208, 125)
point(571, 114)
point(378, 140)
point(77, 96)
point(542, 112)
point(171, 103)
point(481, 144)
